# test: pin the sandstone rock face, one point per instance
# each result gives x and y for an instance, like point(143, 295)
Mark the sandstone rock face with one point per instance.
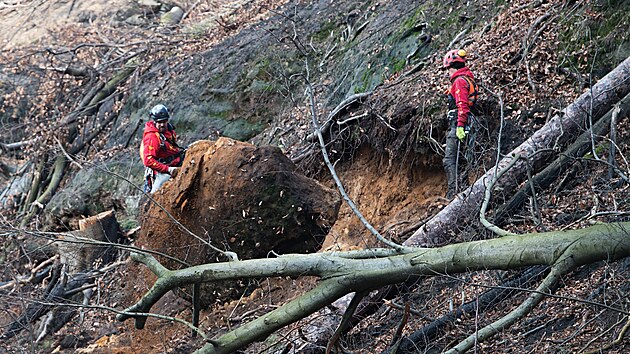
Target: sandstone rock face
point(242, 198)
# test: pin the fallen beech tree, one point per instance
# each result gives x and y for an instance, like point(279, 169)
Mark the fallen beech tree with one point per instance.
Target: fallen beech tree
point(551, 138)
point(360, 271)
point(545, 144)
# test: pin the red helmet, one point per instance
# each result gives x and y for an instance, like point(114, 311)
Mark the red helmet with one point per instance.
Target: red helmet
point(454, 56)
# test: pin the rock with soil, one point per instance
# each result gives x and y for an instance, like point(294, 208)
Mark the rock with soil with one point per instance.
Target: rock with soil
point(239, 197)
point(172, 17)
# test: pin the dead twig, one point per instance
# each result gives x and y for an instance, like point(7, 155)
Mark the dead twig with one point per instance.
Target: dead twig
point(457, 38)
point(351, 118)
point(399, 329)
point(353, 207)
point(347, 316)
point(341, 106)
point(393, 304)
point(528, 41)
point(37, 274)
point(612, 344)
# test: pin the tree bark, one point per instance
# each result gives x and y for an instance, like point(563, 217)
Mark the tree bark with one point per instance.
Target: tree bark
point(59, 168)
point(556, 133)
point(345, 273)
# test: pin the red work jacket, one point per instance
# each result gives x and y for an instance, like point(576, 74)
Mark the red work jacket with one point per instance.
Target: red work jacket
point(463, 92)
point(157, 148)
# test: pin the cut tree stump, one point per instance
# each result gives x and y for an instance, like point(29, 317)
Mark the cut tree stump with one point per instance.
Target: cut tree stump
point(93, 242)
point(83, 253)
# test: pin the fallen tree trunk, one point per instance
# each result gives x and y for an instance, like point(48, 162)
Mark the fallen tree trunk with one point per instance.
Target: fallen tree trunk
point(547, 176)
point(59, 167)
point(347, 272)
point(55, 294)
point(556, 133)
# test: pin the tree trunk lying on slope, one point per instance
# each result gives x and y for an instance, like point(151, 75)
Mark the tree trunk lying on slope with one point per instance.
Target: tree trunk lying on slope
point(556, 133)
point(547, 176)
point(459, 210)
point(421, 339)
point(345, 272)
point(59, 291)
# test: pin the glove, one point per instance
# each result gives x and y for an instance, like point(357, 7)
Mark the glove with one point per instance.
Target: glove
point(173, 171)
point(461, 133)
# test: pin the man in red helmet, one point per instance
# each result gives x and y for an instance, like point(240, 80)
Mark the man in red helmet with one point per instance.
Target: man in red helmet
point(461, 98)
point(159, 150)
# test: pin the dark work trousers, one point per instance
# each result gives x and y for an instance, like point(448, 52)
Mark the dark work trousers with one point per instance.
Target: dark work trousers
point(455, 162)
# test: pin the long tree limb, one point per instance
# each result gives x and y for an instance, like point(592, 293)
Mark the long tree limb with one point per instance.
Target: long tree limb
point(486, 200)
point(58, 169)
point(35, 183)
point(547, 176)
point(342, 190)
point(344, 275)
point(347, 316)
point(613, 139)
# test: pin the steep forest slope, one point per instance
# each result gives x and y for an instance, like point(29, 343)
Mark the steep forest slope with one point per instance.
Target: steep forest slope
point(78, 78)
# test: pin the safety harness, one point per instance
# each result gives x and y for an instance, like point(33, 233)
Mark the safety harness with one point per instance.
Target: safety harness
point(473, 89)
point(471, 131)
point(149, 173)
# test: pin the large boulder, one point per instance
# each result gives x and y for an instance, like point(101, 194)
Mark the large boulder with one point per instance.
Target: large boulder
point(241, 198)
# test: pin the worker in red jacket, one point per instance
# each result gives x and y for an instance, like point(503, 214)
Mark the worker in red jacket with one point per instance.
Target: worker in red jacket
point(461, 98)
point(159, 150)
